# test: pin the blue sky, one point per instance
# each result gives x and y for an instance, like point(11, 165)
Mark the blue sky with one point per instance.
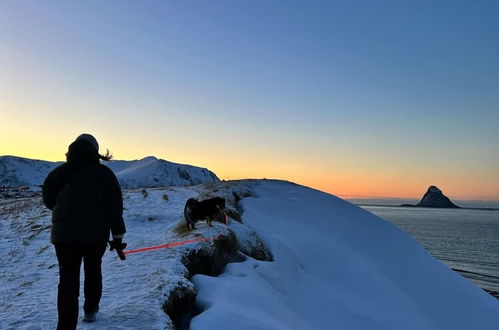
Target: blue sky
point(376, 98)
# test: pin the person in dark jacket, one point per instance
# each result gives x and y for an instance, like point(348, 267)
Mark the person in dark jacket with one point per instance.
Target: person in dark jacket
point(85, 198)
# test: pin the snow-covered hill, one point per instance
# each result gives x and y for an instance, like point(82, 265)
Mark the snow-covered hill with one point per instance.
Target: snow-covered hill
point(143, 173)
point(18, 171)
point(335, 266)
point(153, 172)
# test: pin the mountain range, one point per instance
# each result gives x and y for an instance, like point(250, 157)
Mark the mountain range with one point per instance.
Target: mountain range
point(147, 172)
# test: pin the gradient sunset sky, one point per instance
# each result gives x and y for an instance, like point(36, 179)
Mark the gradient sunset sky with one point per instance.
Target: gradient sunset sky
point(356, 98)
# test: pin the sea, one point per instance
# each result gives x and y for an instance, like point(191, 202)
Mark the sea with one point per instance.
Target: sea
point(466, 240)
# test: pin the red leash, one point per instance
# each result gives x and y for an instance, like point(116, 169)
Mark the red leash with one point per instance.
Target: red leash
point(167, 245)
point(201, 239)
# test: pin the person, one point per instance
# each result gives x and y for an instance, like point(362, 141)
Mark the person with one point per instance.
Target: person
point(86, 202)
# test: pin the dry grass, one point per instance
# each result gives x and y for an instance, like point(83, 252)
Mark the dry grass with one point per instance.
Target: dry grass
point(181, 229)
point(233, 214)
point(15, 208)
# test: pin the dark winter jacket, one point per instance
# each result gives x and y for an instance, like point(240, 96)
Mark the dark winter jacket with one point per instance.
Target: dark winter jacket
point(85, 198)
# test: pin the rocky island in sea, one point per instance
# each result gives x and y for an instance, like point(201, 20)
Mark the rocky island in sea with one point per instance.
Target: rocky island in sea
point(434, 198)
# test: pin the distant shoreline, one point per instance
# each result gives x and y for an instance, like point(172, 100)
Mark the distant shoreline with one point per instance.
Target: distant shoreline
point(427, 207)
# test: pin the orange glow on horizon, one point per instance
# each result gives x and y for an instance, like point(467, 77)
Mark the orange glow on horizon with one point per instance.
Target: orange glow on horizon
point(336, 177)
point(342, 184)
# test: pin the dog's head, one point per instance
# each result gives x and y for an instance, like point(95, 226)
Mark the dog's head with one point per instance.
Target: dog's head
point(191, 202)
point(219, 202)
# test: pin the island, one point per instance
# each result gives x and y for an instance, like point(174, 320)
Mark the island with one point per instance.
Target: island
point(434, 198)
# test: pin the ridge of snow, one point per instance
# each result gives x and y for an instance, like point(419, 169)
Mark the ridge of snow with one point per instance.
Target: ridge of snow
point(144, 173)
point(336, 266)
point(19, 171)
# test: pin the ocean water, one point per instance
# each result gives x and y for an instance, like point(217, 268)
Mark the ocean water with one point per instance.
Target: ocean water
point(466, 240)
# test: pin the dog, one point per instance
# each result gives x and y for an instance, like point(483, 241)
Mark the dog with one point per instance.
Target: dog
point(207, 209)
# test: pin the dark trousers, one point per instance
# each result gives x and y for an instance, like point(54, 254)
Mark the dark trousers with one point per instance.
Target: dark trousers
point(69, 256)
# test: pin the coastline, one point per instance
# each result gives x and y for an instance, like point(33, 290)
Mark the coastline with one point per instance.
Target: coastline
point(430, 207)
point(475, 276)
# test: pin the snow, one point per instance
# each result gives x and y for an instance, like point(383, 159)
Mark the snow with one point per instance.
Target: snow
point(18, 171)
point(134, 289)
point(335, 266)
point(29, 277)
point(144, 173)
point(153, 172)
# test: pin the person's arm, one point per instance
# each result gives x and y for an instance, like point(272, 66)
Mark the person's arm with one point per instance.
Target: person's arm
point(114, 202)
point(51, 187)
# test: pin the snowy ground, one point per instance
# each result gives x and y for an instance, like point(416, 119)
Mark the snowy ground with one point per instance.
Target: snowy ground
point(134, 289)
point(336, 266)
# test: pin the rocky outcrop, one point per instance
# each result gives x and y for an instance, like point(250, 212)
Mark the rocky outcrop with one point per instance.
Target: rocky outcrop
point(209, 259)
point(435, 198)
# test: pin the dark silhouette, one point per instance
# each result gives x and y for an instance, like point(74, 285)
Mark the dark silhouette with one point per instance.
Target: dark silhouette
point(434, 198)
point(209, 209)
point(86, 203)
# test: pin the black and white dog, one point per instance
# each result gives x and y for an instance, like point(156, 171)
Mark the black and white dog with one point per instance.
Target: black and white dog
point(208, 209)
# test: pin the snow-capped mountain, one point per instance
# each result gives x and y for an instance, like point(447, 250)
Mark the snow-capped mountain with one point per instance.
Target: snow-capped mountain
point(153, 172)
point(144, 173)
point(19, 171)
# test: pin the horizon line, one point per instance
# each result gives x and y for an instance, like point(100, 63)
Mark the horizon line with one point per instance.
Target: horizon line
point(228, 178)
point(347, 196)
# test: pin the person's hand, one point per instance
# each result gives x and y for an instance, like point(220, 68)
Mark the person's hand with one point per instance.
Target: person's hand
point(118, 245)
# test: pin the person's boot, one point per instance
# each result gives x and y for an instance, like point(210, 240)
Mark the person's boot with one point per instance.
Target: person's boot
point(92, 317)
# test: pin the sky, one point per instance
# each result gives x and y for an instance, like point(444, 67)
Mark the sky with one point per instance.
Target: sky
point(355, 98)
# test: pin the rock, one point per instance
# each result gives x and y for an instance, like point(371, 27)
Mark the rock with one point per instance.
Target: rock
point(435, 198)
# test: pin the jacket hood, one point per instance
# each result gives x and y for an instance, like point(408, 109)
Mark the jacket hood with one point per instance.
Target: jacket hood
point(81, 153)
